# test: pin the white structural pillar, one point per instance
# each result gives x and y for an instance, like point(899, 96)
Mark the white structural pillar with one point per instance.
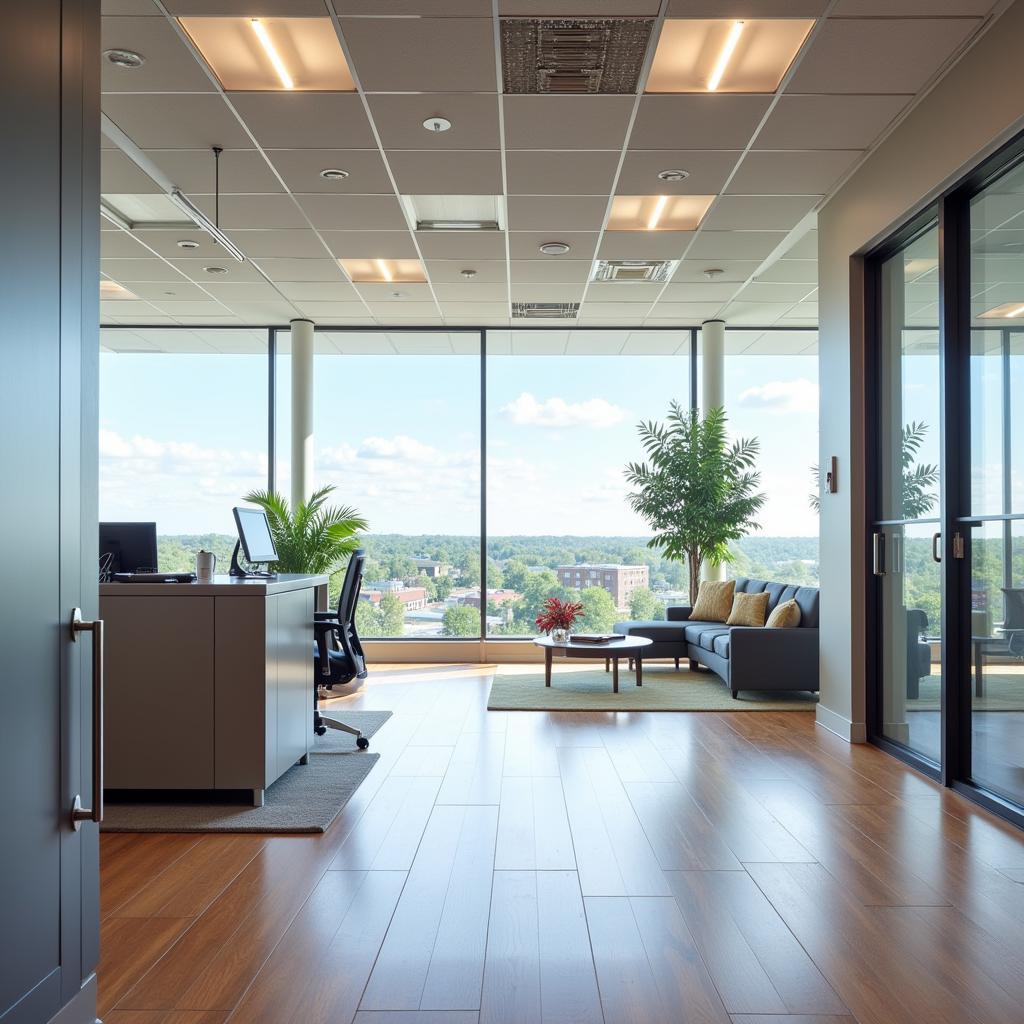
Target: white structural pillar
point(302, 410)
point(712, 392)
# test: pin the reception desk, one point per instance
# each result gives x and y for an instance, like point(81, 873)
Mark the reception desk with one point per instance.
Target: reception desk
point(209, 686)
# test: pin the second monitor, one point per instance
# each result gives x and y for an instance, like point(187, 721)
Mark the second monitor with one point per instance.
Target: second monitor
point(255, 539)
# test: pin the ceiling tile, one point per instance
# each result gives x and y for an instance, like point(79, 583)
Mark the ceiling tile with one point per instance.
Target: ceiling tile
point(374, 213)
point(300, 169)
point(176, 120)
point(399, 120)
point(731, 270)
point(301, 269)
point(686, 312)
point(913, 8)
point(746, 8)
point(164, 243)
point(828, 122)
point(759, 313)
point(384, 292)
point(740, 245)
point(120, 175)
point(191, 307)
point(132, 8)
point(278, 243)
point(450, 271)
point(446, 173)
point(566, 122)
point(305, 120)
point(804, 248)
point(644, 245)
point(269, 211)
point(769, 291)
point(180, 289)
point(604, 312)
point(587, 8)
point(555, 213)
point(245, 291)
point(313, 307)
point(791, 173)
point(390, 311)
point(703, 291)
point(524, 245)
point(323, 291)
point(546, 270)
point(469, 245)
point(463, 310)
point(452, 8)
point(387, 245)
point(697, 122)
point(708, 171)
point(241, 170)
point(790, 271)
point(169, 65)
point(887, 55)
point(422, 54)
point(626, 292)
point(127, 271)
point(447, 293)
point(560, 174)
point(554, 292)
point(247, 8)
point(194, 269)
point(758, 213)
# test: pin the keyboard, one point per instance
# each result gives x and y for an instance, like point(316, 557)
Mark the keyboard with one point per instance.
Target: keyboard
point(154, 577)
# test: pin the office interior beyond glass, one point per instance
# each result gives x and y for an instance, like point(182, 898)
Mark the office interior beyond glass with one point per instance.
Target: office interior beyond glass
point(489, 463)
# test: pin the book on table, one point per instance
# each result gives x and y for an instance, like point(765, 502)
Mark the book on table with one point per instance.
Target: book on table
point(596, 638)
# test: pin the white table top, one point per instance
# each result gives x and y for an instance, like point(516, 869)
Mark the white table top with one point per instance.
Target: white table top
point(626, 643)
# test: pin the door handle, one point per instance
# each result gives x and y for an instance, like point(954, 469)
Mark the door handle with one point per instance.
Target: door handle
point(936, 556)
point(878, 554)
point(78, 812)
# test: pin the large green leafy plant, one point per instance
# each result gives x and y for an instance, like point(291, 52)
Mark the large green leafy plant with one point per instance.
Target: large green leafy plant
point(697, 490)
point(314, 537)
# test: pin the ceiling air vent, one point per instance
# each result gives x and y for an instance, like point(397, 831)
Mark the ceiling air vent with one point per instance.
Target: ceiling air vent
point(545, 310)
point(646, 271)
point(573, 55)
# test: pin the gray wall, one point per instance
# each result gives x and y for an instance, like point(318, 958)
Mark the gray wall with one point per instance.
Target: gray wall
point(974, 109)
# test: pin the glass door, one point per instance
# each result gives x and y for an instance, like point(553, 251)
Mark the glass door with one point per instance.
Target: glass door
point(906, 535)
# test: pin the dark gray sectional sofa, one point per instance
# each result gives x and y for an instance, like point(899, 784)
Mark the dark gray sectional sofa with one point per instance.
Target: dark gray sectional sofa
point(746, 657)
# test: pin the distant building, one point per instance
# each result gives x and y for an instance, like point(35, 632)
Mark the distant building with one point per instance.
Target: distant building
point(412, 598)
point(498, 597)
point(430, 568)
point(619, 580)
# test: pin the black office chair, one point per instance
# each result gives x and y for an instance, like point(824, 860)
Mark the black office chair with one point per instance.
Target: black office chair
point(338, 655)
point(919, 652)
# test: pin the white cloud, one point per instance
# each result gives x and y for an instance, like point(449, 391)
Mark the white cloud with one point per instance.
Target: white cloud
point(800, 395)
point(596, 413)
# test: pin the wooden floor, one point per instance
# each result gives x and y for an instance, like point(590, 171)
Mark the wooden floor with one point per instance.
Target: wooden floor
point(506, 867)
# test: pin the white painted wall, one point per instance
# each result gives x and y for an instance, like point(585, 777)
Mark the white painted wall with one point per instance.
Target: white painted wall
point(977, 107)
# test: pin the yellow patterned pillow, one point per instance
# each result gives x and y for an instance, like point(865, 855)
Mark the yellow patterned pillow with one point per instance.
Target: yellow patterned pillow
point(785, 616)
point(714, 601)
point(748, 610)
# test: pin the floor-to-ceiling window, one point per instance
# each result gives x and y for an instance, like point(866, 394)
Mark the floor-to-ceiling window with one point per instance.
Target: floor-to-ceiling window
point(183, 434)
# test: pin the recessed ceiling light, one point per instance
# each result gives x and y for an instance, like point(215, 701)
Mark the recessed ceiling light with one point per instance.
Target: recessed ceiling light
point(712, 272)
point(187, 243)
point(1007, 311)
point(724, 55)
point(127, 59)
point(658, 213)
point(271, 51)
point(437, 124)
point(216, 270)
point(468, 274)
point(112, 290)
point(555, 248)
point(659, 209)
point(382, 271)
point(673, 174)
point(455, 212)
point(333, 173)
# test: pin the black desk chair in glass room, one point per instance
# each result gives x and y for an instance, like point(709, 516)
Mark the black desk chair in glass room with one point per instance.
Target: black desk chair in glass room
point(338, 655)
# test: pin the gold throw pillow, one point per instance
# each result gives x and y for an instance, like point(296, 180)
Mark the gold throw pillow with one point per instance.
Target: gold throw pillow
point(714, 601)
point(785, 616)
point(748, 610)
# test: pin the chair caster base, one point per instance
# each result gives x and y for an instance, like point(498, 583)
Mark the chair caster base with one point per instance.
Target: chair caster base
point(320, 730)
point(362, 742)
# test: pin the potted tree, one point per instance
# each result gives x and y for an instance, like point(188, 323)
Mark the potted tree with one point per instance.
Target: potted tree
point(697, 490)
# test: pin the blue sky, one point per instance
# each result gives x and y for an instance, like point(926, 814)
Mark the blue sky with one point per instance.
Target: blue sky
point(184, 436)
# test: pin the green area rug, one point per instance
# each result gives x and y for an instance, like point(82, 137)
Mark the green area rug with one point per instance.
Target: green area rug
point(576, 687)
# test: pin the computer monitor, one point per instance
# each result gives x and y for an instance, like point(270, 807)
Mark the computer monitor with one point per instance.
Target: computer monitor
point(131, 546)
point(254, 535)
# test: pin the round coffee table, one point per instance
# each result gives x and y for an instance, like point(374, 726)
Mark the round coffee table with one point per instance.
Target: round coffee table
point(628, 647)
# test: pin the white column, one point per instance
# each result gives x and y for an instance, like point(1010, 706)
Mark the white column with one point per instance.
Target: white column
point(302, 410)
point(712, 393)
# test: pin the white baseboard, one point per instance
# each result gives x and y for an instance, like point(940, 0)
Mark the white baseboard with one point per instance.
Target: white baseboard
point(852, 732)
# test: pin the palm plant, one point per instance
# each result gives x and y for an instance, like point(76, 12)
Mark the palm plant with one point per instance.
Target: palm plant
point(315, 537)
point(698, 491)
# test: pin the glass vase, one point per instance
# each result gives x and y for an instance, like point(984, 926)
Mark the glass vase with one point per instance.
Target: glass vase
point(560, 636)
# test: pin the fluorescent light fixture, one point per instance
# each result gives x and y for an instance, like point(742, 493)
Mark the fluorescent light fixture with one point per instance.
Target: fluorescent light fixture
point(275, 58)
point(1007, 311)
point(455, 213)
point(456, 225)
point(271, 54)
point(726, 55)
point(658, 213)
point(383, 271)
point(659, 209)
point(200, 219)
point(112, 290)
point(141, 209)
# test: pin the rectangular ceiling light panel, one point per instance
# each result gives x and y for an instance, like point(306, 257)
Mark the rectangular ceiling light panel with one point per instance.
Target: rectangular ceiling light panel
point(658, 213)
point(455, 213)
point(272, 54)
point(573, 55)
point(378, 271)
point(1007, 311)
point(112, 290)
point(724, 55)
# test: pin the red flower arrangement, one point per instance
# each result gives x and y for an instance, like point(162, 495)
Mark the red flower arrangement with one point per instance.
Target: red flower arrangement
point(558, 614)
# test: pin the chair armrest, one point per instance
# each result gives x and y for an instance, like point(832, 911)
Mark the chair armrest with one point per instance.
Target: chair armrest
point(773, 659)
point(324, 616)
point(678, 614)
point(322, 629)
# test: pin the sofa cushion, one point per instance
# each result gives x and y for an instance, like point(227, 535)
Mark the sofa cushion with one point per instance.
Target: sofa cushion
point(709, 636)
point(722, 644)
point(748, 610)
point(659, 631)
point(714, 600)
point(697, 631)
point(785, 616)
point(807, 598)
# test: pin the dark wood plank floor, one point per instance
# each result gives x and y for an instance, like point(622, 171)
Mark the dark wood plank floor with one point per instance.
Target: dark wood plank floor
point(567, 868)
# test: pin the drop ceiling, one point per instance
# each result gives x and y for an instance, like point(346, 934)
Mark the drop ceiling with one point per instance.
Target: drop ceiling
point(547, 168)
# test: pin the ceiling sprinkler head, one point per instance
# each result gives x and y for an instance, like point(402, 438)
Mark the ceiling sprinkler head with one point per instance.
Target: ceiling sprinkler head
point(187, 243)
point(673, 174)
point(127, 59)
point(437, 124)
point(216, 270)
point(712, 272)
point(468, 274)
point(333, 174)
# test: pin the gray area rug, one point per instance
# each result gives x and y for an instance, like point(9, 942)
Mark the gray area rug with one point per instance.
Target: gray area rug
point(307, 798)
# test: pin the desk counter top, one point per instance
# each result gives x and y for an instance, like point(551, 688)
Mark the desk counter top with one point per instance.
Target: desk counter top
point(222, 586)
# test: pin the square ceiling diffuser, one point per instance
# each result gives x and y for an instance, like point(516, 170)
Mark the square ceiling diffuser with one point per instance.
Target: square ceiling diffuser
point(658, 213)
point(718, 55)
point(377, 271)
point(272, 54)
